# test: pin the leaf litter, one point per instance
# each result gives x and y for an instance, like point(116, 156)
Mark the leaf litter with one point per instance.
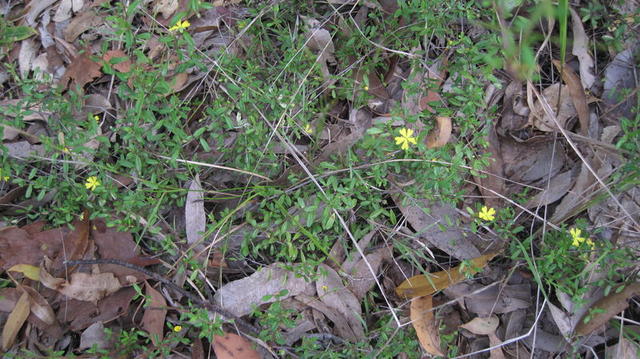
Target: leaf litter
point(523, 153)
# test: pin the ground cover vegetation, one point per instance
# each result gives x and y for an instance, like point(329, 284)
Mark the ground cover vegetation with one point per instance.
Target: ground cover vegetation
point(319, 179)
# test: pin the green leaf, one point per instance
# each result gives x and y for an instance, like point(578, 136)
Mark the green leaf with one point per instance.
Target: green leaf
point(11, 34)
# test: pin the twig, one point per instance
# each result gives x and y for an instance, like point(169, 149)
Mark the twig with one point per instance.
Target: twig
point(208, 305)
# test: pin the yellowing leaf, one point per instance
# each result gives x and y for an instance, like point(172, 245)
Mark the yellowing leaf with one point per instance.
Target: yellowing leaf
point(15, 321)
point(426, 327)
point(29, 271)
point(421, 285)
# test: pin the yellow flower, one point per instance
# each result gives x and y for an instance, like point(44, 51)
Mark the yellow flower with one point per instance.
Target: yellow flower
point(96, 118)
point(180, 25)
point(308, 129)
point(177, 328)
point(406, 137)
point(576, 236)
point(66, 150)
point(4, 178)
point(92, 183)
point(486, 213)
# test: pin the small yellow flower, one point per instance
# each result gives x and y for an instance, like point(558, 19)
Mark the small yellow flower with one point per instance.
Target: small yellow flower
point(4, 178)
point(366, 88)
point(325, 288)
point(177, 328)
point(406, 137)
point(576, 236)
point(96, 118)
point(66, 150)
point(180, 25)
point(486, 213)
point(92, 183)
point(308, 129)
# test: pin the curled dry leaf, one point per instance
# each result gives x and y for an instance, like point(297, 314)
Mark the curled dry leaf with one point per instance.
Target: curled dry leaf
point(420, 285)
point(233, 346)
point(577, 96)
point(40, 307)
point(539, 118)
point(581, 51)
point(441, 134)
point(154, 315)
point(83, 286)
point(16, 319)
point(423, 320)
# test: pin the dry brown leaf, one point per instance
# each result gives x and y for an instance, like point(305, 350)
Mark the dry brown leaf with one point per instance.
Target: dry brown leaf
point(83, 286)
point(29, 271)
point(340, 323)
point(233, 346)
point(492, 300)
point(610, 305)
point(40, 307)
point(178, 82)
point(28, 49)
point(425, 324)
point(35, 9)
point(124, 66)
point(441, 134)
point(334, 294)
point(94, 335)
point(240, 296)
point(359, 276)
point(154, 315)
point(16, 319)
point(581, 51)
point(539, 118)
point(577, 96)
point(556, 189)
point(109, 308)
point(420, 285)
point(482, 326)
point(625, 349)
point(620, 79)
point(195, 217)
point(165, 7)
point(81, 71)
point(439, 226)
point(81, 23)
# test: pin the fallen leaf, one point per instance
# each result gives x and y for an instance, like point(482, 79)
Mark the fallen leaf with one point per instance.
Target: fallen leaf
point(83, 286)
point(63, 12)
point(81, 71)
point(440, 136)
point(233, 346)
point(154, 315)
point(619, 81)
point(530, 162)
point(556, 189)
point(195, 217)
point(577, 96)
point(165, 7)
point(96, 103)
point(81, 23)
point(607, 307)
point(17, 246)
point(94, 335)
point(82, 314)
point(425, 324)
point(482, 326)
point(421, 285)
point(340, 323)
point(35, 9)
point(541, 120)
point(240, 296)
point(29, 271)
point(359, 276)
point(178, 82)
point(334, 294)
point(123, 62)
point(624, 349)
point(28, 49)
point(14, 322)
point(495, 299)
point(581, 51)
point(40, 307)
point(319, 40)
point(437, 223)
